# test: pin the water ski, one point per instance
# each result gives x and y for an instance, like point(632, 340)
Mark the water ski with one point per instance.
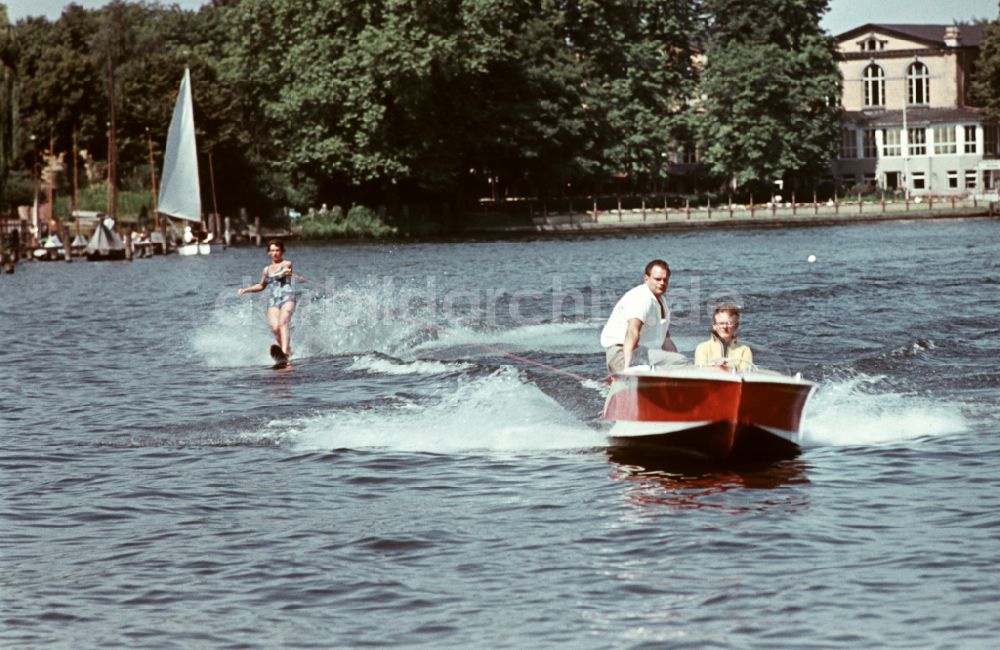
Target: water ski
point(280, 360)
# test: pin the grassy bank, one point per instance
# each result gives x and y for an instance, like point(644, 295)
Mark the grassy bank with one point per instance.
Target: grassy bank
point(133, 206)
point(359, 221)
point(136, 208)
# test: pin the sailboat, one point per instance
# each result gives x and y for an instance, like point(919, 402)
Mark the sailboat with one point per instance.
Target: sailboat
point(105, 244)
point(180, 190)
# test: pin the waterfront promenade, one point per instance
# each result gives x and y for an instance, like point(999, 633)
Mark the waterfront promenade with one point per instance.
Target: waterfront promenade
point(730, 215)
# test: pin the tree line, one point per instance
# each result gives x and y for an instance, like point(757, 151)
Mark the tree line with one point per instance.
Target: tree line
point(428, 102)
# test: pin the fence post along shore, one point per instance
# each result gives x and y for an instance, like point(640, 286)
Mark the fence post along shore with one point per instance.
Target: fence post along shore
point(129, 247)
point(773, 211)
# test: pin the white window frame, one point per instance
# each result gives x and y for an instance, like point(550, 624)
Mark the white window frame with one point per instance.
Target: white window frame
point(918, 84)
point(969, 132)
point(918, 180)
point(917, 141)
point(892, 143)
point(944, 140)
point(873, 80)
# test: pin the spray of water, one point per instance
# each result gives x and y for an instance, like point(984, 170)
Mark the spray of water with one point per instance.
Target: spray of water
point(379, 365)
point(496, 412)
point(855, 411)
point(502, 411)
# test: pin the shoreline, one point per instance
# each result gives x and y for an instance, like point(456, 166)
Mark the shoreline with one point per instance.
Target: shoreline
point(625, 222)
point(631, 222)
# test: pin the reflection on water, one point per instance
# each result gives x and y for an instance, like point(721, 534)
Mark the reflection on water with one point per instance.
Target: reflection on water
point(684, 483)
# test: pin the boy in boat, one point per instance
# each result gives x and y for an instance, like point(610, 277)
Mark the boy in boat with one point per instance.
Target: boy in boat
point(641, 321)
point(722, 348)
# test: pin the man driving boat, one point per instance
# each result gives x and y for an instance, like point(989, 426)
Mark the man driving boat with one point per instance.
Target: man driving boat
point(722, 348)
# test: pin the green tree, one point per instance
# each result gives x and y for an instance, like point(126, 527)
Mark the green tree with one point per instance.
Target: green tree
point(343, 93)
point(60, 88)
point(9, 52)
point(524, 115)
point(986, 83)
point(638, 65)
point(772, 89)
point(436, 97)
point(373, 100)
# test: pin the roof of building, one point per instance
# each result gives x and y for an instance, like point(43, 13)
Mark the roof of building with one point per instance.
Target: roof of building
point(970, 35)
point(916, 116)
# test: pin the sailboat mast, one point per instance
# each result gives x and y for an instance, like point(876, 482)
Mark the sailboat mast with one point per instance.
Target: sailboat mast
point(211, 176)
point(152, 181)
point(52, 179)
point(114, 163)
point(76, 179)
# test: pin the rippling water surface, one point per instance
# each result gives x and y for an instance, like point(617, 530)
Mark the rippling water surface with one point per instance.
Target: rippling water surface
point(432, 469)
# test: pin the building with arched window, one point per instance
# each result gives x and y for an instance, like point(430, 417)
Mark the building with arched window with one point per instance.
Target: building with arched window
point(908, 124)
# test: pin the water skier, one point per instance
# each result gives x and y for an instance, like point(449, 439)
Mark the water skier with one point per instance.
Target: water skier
point(281, 302)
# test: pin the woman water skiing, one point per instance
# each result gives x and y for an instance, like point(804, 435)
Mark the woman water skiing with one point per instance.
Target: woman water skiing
point(281, 302)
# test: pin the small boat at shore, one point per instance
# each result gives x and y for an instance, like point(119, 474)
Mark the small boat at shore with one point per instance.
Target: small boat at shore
point(200, 248)
point(708, 413)
point(104, 245)
point(78, 247)
point(52, 249)
point(191, 246)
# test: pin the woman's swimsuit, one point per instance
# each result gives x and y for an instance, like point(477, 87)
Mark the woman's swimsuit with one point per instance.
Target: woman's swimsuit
point(281, 289)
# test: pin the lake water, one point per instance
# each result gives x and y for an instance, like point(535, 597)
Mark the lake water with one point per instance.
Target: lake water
point(432, 470)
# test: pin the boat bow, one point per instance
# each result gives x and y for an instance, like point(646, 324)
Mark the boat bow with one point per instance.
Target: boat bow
point(708, 411)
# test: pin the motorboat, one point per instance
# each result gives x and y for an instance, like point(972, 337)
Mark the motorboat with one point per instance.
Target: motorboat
point(711, 413)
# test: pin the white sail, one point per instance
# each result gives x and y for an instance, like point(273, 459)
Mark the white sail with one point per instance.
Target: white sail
point(180, 192)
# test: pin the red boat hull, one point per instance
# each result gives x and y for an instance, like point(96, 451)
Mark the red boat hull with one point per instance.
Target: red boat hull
point(708, 413)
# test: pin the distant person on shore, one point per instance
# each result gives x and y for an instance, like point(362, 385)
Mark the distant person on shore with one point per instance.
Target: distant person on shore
point(196, 235)
point(281, 302)
point(640, 322)
point(722, 348)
